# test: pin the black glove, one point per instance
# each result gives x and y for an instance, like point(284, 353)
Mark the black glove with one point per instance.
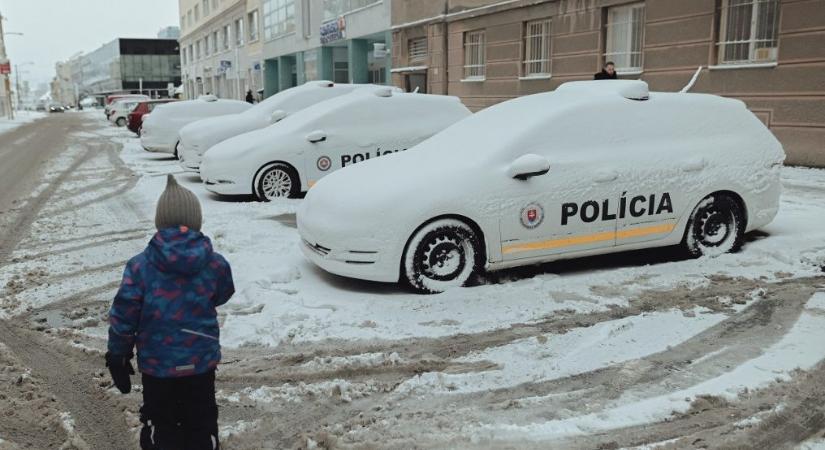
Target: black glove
point(120, 367)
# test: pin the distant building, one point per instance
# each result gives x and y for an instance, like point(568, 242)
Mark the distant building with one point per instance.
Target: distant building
point(221, 47)
point(123, 65)
point(171, 32)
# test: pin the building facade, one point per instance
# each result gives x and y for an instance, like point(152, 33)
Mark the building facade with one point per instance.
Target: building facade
point(768, 53)
point(221, 47)
point(148, 66)
point(345, 41)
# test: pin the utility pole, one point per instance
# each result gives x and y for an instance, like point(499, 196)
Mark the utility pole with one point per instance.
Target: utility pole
point(4, 62)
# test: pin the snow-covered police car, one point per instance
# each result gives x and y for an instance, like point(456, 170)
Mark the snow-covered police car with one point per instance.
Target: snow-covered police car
point(161, 128)
point(288, 158)
point(198, 137)
point(593, 167)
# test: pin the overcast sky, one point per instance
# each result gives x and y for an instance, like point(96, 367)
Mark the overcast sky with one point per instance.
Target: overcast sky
point(54, 30)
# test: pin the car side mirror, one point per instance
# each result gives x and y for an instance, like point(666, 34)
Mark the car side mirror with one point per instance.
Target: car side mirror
point(277, 116)
point(317, 136)
point(529, 165)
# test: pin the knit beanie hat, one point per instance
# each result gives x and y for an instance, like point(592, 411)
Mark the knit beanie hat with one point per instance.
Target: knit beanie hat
point(178, 206)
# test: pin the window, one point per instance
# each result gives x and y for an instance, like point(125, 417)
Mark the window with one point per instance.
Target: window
point(189, 17)
point(417, 50)
point(748, 31)
point(227, 33)
point(182, 22)
point(625, 37)
point(205, 8)
point(197, 13)
point(239, 32)
point(215, 42)
point(215, 4)
point(537, 48)
point(198, 49)
point(207, 47)
point(474, 61)
point(336, 8)
point(279, 17)
point(183, 55)
point(252, 21)
point(191, 54)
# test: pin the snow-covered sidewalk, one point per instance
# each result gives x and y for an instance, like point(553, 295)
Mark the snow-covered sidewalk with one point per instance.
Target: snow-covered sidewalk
point(20, 118)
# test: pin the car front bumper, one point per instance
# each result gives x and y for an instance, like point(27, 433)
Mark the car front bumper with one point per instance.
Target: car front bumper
point(367, 262)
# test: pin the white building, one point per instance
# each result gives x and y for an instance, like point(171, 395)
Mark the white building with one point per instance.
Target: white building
point(220, 47)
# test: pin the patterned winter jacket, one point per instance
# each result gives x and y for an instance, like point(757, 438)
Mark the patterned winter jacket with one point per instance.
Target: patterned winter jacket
point(166, 305)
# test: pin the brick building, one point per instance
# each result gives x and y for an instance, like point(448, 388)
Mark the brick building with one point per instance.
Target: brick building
point(768, 53)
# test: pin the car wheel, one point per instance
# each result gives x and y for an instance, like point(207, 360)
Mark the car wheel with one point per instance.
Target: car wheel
point(441, 255)
point(277, 181)
point(120, 122)
point(716, 226)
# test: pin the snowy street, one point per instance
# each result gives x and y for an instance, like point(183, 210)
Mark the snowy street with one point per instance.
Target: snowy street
point(617, 351)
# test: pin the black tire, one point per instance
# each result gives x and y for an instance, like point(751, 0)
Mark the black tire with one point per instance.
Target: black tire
point(716, 226)
point(277, 180)
point(120, 122)
point(441, 255)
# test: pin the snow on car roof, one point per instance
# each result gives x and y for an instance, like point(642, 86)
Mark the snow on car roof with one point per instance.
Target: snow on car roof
point(359, 100)
point(293, 99)
point(231, 106)
point(565, 119)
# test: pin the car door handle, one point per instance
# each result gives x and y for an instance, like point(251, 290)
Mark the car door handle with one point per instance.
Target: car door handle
point(694, 165)
point(604, 176)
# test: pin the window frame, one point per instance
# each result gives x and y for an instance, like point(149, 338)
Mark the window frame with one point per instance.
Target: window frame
point(755, 29)
point(546, 48)
point(610, 54)
point(480, 53)
point(418, 55)
point(253, 24)
point(227, 37)
point(278, 18)
point(239, 32)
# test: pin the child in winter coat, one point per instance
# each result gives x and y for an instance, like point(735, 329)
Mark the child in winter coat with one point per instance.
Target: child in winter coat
point(166, 307)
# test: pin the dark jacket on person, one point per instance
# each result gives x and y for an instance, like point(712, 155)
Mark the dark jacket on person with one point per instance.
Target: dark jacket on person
point(249, 97)
point(603, 75)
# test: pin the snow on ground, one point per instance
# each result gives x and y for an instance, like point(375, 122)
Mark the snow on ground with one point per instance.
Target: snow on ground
point(793, 351)
point(20, 118)
point(554, 356)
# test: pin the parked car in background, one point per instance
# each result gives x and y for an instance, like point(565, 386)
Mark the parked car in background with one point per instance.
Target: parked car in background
point(198, 137)
point(56, 108)
point(287, 158)
point(161, 128)
point(135, 119)
point(113, 98)
point(119, 111)
point(594, 167)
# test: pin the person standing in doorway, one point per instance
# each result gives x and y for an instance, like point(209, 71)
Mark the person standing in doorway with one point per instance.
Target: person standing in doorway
point(249, 97)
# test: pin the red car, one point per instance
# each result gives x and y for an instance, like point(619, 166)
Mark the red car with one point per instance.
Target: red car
point(143, 108)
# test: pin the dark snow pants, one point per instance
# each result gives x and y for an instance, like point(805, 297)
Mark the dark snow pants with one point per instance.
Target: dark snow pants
point(179, 413)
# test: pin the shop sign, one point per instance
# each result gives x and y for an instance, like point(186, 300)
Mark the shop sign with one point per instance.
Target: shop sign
point(333, 30)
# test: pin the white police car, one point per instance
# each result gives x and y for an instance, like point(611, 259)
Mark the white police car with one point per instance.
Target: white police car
point(593, 167)
point(198, 137)
point(286, 159)
point(161, 128)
